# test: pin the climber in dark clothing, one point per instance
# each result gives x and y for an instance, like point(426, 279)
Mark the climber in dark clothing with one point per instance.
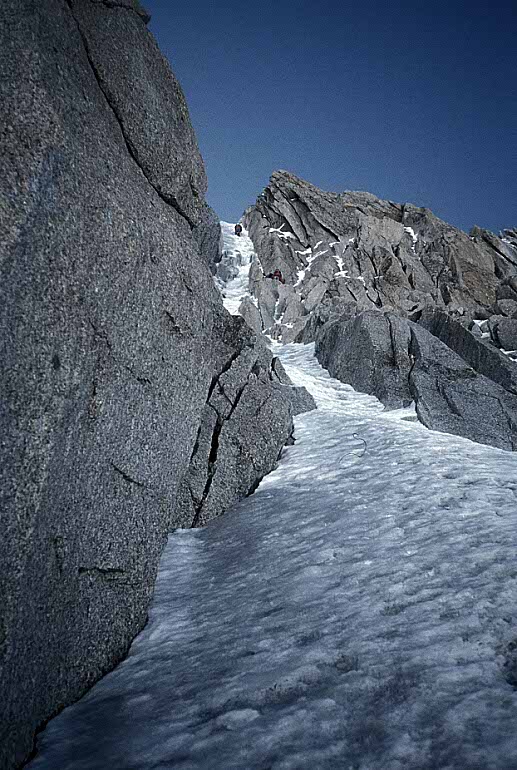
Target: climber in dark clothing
point(277, 275)
point(238, 229)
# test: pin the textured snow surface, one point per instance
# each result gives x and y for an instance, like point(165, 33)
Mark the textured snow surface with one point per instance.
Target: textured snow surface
point(352, 614)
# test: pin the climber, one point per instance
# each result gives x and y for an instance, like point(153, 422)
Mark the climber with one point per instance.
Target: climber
point(238, 229)
point(278, 275)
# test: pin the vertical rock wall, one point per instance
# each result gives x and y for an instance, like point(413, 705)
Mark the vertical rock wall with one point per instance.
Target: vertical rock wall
point(111, 336)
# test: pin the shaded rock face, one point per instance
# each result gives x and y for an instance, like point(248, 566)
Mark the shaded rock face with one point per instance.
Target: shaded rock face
point(452, 397)
point(355, 248)
point(503, 332)
point(246, 419)
point(399, 362)
point(482, 356)
point(207, 234)
point(112, 334)
point(371, 353)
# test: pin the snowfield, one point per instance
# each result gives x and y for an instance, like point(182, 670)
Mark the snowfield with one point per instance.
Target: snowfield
point(357, 612)
point(353, 613)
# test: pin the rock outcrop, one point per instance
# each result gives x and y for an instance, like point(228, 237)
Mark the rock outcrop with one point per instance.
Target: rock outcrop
point(400, 362)
point(359, 271)
point(247, 417)
point(114, 346)
point(479, 353)
point(354, 247)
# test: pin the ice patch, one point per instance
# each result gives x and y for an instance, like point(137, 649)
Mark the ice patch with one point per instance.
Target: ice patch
point(410, 230)
point(413, 235)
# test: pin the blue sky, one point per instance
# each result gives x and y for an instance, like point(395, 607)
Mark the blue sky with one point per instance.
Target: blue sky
point(414, 102)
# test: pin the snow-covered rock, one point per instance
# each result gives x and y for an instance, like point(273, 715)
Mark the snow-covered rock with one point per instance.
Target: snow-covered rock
point(353, 255)
point(376, 253)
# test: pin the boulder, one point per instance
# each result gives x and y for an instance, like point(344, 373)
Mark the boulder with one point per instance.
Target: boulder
point(251, 314)
point(292, 332)
point(474, 328)
point(289, 306)
point(267, 297)
point(369, 352)
point(451, 397)
point(492, 324)
point(301, 399)
point(255, 276)
point(507, 289)
point(506, 307)
point(331, 309)
point(504, 332)
point(315, 295)
point(293, 310)
point(399, 361)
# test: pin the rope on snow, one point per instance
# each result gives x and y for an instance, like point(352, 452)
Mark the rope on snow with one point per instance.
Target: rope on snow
point(353, 452)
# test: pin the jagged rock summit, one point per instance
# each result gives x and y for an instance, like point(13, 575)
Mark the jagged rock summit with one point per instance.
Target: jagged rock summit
point(353, 252)
point(401, 305)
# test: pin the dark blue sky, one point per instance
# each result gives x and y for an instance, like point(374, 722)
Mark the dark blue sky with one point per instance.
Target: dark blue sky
point(415, 102)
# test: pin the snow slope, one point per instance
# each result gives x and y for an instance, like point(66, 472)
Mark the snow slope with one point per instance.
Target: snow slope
point(237, 253)
point(353, 613)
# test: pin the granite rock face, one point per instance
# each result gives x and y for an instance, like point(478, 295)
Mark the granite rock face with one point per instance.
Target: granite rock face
point(246, 421)
point(399, 362)
point(371, 353)
point(355, 248)
point(112, 334)
point(146, 100)
point(451, 396)
point(359, 271)
point(482, 356)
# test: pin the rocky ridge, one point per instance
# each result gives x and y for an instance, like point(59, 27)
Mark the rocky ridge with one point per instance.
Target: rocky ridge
point(124, 380)
point(401, 305)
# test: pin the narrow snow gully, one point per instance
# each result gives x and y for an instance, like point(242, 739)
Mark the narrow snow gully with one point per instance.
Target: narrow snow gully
point(358, 611)
point(233, 270)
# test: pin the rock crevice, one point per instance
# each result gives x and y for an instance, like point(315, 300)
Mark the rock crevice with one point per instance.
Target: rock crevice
point(131, 148)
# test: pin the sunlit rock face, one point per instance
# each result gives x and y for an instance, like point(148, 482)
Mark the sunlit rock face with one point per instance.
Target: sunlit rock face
point(335, 249)
point(357, 272)
point(113, 341)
